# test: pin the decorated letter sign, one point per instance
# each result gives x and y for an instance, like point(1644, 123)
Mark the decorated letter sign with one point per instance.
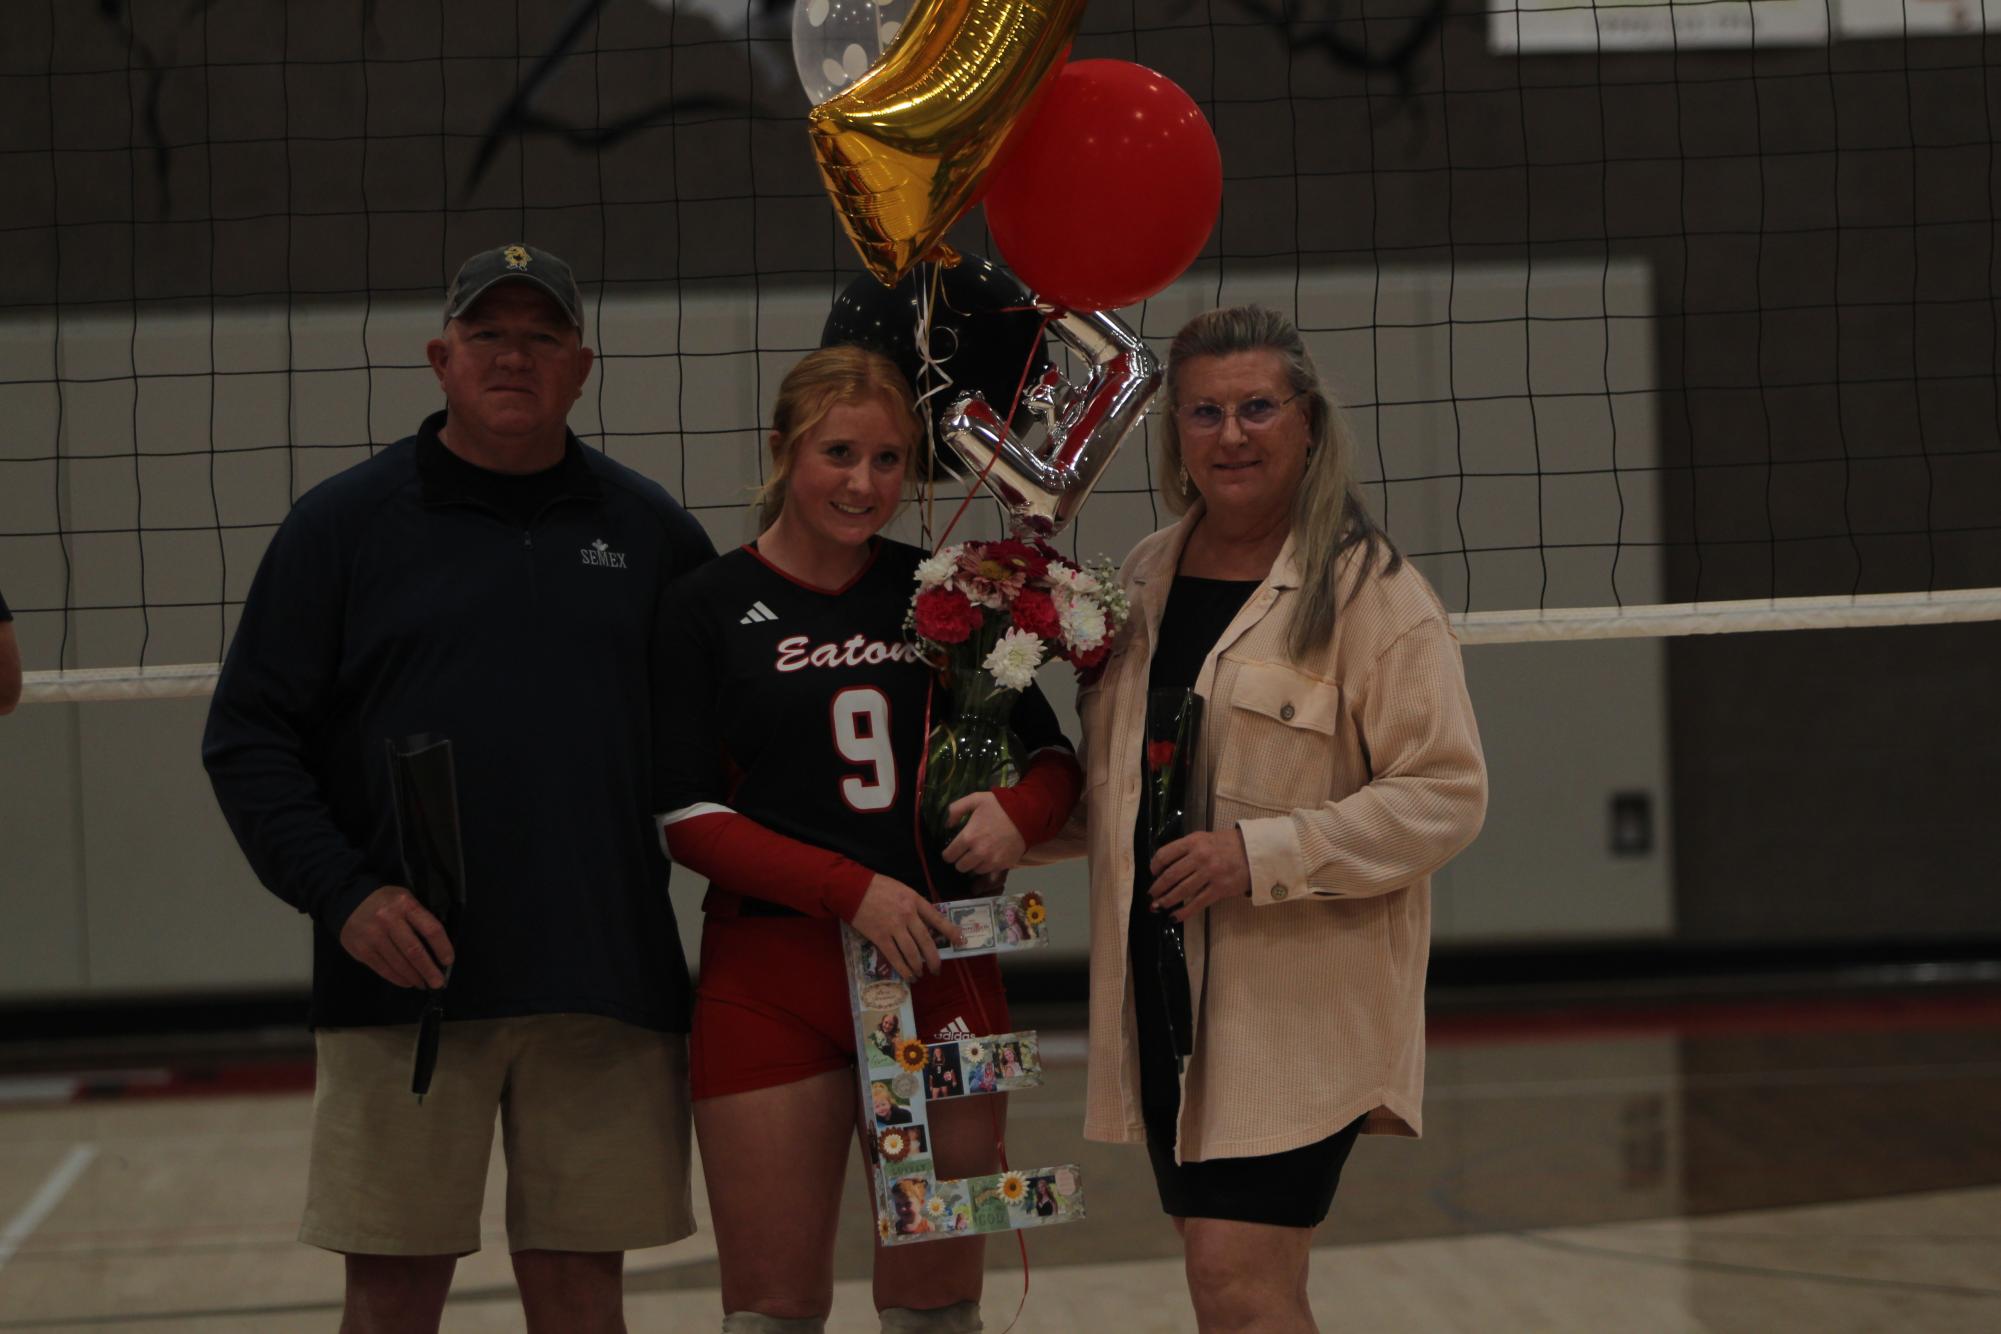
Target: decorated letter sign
point(902, 1076)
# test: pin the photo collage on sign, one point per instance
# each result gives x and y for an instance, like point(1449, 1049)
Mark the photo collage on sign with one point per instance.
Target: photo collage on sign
point(1010, 922)
point(998, 1064)
point(1008, 1200)
point(901, 1074)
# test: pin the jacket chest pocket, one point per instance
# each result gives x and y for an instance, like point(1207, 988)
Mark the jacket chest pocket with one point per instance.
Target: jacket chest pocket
point(1279, 750)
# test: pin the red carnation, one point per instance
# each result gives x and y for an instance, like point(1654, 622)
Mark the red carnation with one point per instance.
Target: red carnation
point(1091, 665)
point(944, 616)
point(1035, 612)
point(1159, 754)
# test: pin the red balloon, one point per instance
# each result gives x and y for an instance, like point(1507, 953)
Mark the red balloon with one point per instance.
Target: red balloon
point(1111, 192)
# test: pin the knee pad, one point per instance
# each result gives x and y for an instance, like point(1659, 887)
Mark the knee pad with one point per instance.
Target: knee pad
point(958, 1318)
point(751, 1322)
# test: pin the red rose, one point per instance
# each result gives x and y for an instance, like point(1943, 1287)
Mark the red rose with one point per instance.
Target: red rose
point(1159, 754)
point(1035, 612)
point(944, 616)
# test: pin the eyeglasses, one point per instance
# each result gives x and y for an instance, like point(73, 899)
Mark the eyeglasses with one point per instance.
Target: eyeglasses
point(1253, 414)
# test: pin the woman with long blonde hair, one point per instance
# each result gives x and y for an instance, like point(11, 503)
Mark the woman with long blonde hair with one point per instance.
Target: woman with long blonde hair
point(800, 712)
point(1274, 957)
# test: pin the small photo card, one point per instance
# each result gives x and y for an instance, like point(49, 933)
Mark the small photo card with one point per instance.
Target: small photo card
point(942, 1075)
point(1021, 920)
point(977, 1066)
point(890, 1103)
point(874, 965)
point(1008, 1062)
point(882, 1036)
point(904, 1149)
point(975, 922)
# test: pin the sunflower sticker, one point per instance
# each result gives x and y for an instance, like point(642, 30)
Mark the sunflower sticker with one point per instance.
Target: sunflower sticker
point(911, 1054)
point(1032, 910)
point(895, 1145)
point(1013, 1186)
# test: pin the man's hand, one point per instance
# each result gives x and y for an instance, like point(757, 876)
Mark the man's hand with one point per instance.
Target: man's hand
point(389, 930)
point(1199, 870)
point(989, 841)
point(899, 921)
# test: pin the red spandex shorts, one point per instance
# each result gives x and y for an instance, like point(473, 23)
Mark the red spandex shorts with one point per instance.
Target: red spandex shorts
point(772, 1005)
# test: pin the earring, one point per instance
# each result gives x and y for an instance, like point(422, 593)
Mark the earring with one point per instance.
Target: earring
point(1184, 479)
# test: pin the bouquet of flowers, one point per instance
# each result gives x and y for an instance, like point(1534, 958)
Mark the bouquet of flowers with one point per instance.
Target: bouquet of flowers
point(987, 615)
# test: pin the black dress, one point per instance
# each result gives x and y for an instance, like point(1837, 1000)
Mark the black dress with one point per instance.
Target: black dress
point(1290, 1189)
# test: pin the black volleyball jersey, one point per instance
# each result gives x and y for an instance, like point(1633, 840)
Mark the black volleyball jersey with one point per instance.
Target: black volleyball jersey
point(803, 709)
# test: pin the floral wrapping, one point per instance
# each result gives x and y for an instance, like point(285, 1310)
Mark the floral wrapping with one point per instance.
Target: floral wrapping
point(1173, 723)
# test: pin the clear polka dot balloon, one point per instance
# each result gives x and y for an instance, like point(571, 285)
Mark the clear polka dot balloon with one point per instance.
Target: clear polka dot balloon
point(834, 42)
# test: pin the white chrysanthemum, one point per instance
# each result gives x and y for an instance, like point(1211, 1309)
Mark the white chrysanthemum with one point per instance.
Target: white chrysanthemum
point(1014, 659)
point(1081, 583)
point(936, 571)
point(1083, 623)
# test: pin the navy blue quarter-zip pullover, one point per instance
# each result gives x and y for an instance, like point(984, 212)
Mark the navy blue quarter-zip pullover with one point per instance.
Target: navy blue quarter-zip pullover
point(403, 596)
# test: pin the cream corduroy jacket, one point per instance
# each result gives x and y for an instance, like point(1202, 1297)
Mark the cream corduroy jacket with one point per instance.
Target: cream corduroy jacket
point(1353, 776)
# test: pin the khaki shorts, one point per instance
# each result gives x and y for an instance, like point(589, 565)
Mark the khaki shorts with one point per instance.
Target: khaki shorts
point(593, 1117)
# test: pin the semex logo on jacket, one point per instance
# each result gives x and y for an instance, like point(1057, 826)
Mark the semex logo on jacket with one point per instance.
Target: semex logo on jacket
point(600, 553)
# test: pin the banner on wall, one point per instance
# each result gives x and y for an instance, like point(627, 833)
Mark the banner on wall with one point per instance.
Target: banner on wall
point(1653, 25)
point(1911, 18)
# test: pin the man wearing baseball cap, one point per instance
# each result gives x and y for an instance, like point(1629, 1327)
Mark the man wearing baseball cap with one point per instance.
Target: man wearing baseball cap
point(492, 581)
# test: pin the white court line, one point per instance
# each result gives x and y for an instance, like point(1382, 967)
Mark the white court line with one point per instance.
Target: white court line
point(22, 1225)
point(37, 1089)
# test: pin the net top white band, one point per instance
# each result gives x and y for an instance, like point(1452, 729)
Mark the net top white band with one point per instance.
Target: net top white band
point(197, 680)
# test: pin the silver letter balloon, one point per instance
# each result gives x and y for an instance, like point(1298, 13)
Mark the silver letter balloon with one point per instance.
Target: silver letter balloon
point(1043, 481)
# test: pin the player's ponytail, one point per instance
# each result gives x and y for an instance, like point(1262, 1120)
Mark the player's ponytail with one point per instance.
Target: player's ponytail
point(812, 388)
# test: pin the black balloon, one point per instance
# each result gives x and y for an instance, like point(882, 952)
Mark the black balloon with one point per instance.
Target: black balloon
point(984, 332)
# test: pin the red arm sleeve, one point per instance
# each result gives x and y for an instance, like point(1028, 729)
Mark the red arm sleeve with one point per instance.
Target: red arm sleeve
point(738, 854)
point(1040, 803)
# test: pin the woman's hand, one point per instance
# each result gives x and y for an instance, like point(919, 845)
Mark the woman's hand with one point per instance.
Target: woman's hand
point(989, 842)
point(1201, 869)
point(901, 923)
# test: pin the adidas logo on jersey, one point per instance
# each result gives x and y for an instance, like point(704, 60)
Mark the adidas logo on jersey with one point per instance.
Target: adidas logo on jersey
point(956, 1029)
point(758, 614)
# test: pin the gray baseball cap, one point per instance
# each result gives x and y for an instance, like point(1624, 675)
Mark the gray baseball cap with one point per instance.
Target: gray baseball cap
point(514, 263)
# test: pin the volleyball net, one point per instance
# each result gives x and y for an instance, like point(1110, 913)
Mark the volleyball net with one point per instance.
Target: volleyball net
point(1651, 319)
